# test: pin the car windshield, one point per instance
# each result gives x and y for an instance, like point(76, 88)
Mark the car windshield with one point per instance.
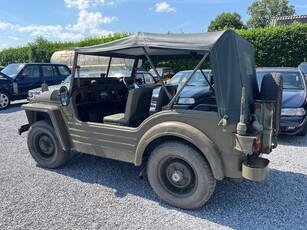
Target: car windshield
point(198, 78)
point(12, 70)
point(303, 67)
point(97, 67)
point(291, 79)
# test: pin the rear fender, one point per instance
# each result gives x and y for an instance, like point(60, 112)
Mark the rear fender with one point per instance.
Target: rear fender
point(188, 133)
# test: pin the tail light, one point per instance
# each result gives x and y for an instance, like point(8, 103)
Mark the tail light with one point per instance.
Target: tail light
point(256, 145)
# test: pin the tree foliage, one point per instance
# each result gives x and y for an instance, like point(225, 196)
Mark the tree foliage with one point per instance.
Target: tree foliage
point(261, 12)
point(227, 20)
point(41, 49)
point(274, 46)
point(278, 46)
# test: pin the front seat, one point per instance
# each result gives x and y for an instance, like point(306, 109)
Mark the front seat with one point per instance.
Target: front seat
point(163, 98)
point(137, 109)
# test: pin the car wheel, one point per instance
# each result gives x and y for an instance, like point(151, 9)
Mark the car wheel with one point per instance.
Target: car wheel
point(4, 100)
point(271, 90)
point(180, 175)
point(44, 146)
point(304, 131)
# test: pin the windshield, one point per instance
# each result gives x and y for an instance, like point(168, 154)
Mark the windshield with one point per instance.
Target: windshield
point(12, 70)
point(291, 79)
point(198, 78)
point(303, 67)
point(97, 66)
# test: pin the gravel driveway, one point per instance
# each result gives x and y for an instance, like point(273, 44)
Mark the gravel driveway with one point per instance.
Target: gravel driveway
point(96, 193)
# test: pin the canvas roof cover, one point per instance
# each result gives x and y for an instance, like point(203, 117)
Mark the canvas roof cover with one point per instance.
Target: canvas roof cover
point(231, 58)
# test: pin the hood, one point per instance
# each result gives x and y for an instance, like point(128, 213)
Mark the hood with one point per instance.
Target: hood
point(5, 77)
point(293, 98)
point(196, 92)
point(50, 88)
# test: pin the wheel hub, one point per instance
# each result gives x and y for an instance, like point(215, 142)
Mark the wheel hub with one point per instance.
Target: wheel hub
point(46, 145)
point(177, 176)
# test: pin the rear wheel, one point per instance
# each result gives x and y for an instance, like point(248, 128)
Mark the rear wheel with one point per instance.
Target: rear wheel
point(271, 90)
point(44, 146)
point(180, 175)
point(5, 100)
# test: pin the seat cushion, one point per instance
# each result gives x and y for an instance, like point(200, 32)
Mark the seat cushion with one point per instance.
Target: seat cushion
point(118, 119)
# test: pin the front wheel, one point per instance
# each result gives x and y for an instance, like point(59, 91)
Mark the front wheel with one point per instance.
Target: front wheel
point(304, 131)
point(180, 175)
point(4, 100)
point(44, 146)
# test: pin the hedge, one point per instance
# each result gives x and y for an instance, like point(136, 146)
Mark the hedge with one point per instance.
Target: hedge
point(282, 46)
point(274, 46)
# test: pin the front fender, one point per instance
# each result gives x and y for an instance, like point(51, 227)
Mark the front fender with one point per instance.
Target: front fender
point(56, 119)
point(188, 133)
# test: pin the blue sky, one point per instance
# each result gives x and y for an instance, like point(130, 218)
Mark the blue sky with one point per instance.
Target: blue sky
point(22, 22)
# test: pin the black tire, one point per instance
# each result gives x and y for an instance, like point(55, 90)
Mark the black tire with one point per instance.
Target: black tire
point(271, 90)
point(304, 131)
point(44, 146)
point(180, 175)
point(5, 100)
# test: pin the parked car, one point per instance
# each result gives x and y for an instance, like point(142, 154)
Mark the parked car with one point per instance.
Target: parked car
point(197, 89)
point(293, 118)
point(145, 78)
point(17, 79)
point(303, 67)
point(165, 73)
point(184, 151)
point(1, 67)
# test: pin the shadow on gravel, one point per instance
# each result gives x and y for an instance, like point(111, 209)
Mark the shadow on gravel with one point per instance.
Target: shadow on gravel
point(292, 140)
point(14, 107)
point(276, 203)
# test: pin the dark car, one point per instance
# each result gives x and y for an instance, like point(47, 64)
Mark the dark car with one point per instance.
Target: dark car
point(303, 67)
point(196, 89)
point(293, 118)
point(17, 79)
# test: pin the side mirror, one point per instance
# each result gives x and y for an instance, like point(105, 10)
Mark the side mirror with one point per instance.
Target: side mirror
point(64, 96)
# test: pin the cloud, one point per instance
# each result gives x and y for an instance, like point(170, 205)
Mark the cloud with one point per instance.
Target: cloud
point(50, 31)
point(14, 38)
point(90, 21)
point(80, 4)
point(163, 7)
point(104, 2)
point(4, 26)
point(85, 4)
point(87, 24)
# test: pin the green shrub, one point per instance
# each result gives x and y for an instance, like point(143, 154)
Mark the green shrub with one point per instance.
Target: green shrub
point(274, 46)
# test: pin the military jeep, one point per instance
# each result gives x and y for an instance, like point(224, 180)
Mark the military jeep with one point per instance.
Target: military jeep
point(184, 151)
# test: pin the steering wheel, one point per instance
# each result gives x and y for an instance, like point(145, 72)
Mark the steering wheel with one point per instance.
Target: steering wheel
point(129, 83)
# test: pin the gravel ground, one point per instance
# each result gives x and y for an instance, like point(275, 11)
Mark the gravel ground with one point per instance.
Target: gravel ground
point(96, 193)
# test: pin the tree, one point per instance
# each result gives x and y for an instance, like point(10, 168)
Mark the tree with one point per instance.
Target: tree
point(261, 12)
point(227, 20)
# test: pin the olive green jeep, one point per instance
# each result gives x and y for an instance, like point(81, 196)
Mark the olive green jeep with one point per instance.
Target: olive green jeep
point(221, 136)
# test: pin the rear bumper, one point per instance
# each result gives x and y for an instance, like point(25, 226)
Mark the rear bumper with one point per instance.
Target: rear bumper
point(292, 125)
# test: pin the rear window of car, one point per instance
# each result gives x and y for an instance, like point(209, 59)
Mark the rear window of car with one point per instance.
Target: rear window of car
point(64, 71)
point(291, 79)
